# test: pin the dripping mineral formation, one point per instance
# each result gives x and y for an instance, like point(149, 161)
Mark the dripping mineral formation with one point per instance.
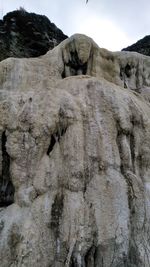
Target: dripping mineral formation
point(75, 158)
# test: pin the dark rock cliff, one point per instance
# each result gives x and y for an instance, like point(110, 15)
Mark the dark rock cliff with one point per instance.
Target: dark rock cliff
point(142, 46)
point(24, 34)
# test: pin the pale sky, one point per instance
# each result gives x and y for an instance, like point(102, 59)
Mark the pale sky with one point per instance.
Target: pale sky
point(113, 24)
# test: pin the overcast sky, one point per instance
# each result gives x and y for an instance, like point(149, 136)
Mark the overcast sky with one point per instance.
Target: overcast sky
point(113, 24)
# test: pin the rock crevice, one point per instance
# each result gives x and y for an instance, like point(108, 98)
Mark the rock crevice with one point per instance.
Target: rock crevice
point(6, 187)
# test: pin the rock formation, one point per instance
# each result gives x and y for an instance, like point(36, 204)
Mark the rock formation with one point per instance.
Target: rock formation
point(24, 34)
point(142, 46)
point(75, 158)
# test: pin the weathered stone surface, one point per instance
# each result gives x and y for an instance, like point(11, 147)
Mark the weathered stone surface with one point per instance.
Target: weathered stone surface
point(24, 34)
point(75, 134)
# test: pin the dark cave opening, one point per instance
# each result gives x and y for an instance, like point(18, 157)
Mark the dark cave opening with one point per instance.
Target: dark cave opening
point(75, 66)
point(7, 189)
point(128, 70)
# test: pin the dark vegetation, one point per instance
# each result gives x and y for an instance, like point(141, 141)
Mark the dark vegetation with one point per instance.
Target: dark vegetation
point(142, 46)
point(24, 34)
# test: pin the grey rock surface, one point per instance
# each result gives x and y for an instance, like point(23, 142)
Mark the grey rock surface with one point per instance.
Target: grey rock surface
point(75, 158)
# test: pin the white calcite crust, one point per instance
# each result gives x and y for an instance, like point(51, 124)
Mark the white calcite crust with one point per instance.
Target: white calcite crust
point(75, 126)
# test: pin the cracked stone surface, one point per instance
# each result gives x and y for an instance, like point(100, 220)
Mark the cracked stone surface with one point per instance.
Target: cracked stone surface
point(75, 158)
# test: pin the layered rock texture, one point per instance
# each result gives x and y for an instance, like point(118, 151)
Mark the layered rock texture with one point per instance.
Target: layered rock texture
point(24, 34)
point(75, 158)
point(142, 46)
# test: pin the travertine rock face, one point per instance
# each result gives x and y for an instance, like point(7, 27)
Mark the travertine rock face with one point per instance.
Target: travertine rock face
point(75, 158)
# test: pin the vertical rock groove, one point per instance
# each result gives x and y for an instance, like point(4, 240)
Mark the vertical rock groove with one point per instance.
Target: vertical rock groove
point(6, 187)
point(56, 138)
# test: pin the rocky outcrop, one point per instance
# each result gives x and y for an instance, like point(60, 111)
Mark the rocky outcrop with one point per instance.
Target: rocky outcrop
point(24, 34)
point(142, 46)
point(75, 158)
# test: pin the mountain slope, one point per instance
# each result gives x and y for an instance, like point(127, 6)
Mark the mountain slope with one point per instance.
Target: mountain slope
point(142, 46)
point(24, 34)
